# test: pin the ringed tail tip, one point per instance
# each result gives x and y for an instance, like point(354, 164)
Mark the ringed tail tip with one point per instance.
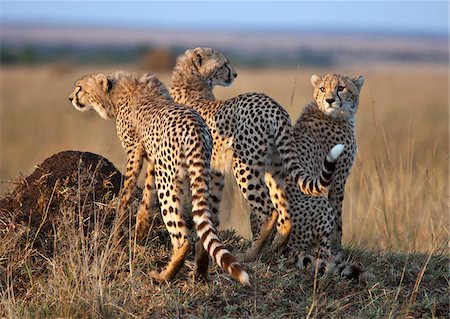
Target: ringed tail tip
point(244, 279)
point(238, 273)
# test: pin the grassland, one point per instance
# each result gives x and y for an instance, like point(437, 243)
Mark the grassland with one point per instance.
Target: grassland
point(395, 211)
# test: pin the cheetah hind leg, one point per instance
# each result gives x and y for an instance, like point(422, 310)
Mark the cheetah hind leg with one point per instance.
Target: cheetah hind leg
point(174, 265)
point(279, 201)
point(134, 165)
point(201, 268)
point(284, 228)
point(172, 214)
point(258, 243)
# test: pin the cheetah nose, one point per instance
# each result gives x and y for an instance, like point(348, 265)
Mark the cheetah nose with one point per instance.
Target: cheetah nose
point(235, 75)
point(330, 101)
point(70, 98)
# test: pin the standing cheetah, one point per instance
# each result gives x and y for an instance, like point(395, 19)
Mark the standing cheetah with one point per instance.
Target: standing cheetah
point(175, 141)
point(252, 129)
point(327, 120)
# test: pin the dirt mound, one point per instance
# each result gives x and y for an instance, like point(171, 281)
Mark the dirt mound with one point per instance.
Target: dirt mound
point(69, 180)
point(65, 202)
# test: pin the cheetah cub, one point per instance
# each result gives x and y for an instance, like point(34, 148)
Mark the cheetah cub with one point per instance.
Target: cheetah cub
point(329, 119)
point(252, 131)
point(176, 142)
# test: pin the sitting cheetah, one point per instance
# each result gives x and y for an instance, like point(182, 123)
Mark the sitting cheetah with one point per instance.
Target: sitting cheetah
point(175, 141)
point(327, 120)
point(252, 129)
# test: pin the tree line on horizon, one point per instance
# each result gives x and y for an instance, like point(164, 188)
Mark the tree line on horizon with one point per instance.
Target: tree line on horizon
point(162, 59)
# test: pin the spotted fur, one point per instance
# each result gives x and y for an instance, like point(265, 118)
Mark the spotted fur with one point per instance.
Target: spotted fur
point(176, 142)
point(252, 131)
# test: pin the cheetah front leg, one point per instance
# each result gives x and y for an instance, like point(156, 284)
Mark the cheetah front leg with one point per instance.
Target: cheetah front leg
point(135, 157)
point(336, 198)
point(143, 216)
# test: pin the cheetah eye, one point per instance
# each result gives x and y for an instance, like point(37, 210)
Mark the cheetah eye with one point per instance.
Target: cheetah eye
point(340, 88)
point(322, 89)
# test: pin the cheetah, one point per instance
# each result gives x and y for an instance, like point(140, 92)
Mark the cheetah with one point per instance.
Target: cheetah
point(327, 120)
point(330, 119)
point(252, 131)
point(176, 142)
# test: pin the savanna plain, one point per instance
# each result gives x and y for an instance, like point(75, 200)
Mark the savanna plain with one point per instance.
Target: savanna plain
point(396, 212)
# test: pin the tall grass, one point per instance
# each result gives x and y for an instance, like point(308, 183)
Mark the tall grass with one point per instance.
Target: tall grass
point(70, 280)
point(393, 200)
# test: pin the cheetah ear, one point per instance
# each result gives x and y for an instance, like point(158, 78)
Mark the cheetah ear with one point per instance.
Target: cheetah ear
point(359, 81)
point(198, 57)
point(315, 80)
point(103, 81)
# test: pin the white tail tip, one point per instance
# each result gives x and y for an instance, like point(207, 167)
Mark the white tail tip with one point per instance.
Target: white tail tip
point(336, 151)
point(244, 279)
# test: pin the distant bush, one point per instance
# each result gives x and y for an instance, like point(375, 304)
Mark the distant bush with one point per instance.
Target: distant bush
point(158, 60)
point(92, 54)
point(22, 55)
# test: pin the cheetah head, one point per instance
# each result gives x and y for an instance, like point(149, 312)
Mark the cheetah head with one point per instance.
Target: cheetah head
point(213, 67)
point(91, 92)
point(337, 95)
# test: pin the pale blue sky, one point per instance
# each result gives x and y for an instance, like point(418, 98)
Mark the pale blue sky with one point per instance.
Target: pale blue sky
point(382, 16)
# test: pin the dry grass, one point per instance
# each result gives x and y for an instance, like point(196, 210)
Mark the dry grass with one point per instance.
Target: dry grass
point(85, 277)
point(396, 199)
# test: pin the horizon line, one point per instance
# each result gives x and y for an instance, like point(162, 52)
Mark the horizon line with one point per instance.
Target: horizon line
point(237, 29)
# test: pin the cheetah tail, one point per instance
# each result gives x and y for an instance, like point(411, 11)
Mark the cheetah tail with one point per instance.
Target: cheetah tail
point(206, 231)
point(318, 186)
point(336, 267)
point(329, 164)
point(308, 182)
